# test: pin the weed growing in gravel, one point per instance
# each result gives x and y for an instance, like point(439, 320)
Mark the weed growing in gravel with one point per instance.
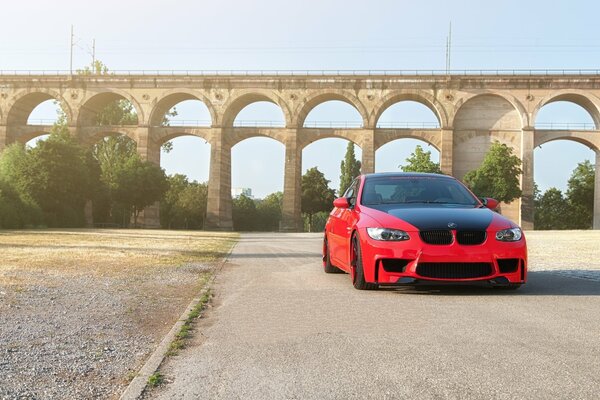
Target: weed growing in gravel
point(155, 379)
point(179, 342)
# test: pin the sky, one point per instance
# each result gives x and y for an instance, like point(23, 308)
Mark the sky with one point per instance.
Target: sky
point(309, 34)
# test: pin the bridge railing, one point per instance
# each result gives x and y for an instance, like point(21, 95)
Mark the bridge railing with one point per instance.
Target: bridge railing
point(323, 72)
point(567, 126)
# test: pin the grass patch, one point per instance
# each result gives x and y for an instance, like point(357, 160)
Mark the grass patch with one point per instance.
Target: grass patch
point(101, 252)
point(184, 333)
point(156, 379)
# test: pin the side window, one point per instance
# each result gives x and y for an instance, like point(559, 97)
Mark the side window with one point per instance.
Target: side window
point(352, 192)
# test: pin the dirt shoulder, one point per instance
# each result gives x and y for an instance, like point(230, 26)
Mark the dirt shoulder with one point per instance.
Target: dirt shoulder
point(80, 310)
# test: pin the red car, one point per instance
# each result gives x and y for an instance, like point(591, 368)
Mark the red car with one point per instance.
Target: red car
point(392, 229)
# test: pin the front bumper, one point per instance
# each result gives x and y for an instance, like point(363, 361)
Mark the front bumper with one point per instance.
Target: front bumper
point(414, 252)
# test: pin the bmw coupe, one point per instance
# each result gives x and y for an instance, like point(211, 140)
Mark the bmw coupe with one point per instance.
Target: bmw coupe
point(392, 229)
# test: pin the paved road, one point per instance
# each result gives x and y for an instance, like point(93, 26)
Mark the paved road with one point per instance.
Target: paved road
point(283, 329)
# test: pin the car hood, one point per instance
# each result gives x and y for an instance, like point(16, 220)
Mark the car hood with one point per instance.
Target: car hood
point(432, 217)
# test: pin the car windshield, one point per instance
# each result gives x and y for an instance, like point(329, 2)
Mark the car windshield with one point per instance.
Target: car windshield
point(415, 189)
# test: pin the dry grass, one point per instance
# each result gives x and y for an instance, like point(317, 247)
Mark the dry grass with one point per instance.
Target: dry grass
point(105, 252)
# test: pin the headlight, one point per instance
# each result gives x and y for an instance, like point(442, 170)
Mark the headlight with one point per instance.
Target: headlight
point(509, 235)
point(387, 234)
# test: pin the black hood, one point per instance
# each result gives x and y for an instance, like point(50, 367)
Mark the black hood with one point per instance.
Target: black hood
point(432, 217)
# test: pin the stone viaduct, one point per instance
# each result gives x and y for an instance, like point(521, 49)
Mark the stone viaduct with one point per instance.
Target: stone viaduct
point(473, 111)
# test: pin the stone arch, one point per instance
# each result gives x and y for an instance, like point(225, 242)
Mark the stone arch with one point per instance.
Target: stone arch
point(26, 101)
point(308, 139)
point(93, 104)
point(586, 140)
point(503, 112)
point(98, 133)
point(418, 96)
point(31, 134)
point(240, 134)
point(168, 133)
point(323, 96)
point(589, 103)
point(236, 104)
point(387, 136)
point(172, 98)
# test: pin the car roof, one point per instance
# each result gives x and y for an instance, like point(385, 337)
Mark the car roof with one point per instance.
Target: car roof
point(406, 175)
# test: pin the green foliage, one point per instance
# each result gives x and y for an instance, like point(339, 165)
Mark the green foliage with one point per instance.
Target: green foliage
point(316, 194)
point(420, 161)
point(17, 211)
point(139, 184)
point(551, 210)
point(184, 204)
point(498, 175)
point(257, 215)
point(318, 221)
point(58, 177)
point(244, 213)
point(575, 210)
point(350, 168)
point(580, 195)
point(268, 212)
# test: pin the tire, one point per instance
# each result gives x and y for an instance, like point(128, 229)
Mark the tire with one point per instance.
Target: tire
point(328, 267)
point(358, 277)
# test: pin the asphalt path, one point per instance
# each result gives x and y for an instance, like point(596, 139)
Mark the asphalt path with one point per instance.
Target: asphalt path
point(280, 328)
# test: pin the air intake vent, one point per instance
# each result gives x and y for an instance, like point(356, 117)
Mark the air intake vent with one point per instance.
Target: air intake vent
point(508, 265)
point(454, 270)
point(394, 264)
point(436, 237)
point(470, 237)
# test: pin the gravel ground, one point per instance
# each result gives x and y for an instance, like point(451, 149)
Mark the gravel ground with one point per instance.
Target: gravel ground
point(67, 335)
point(575, 254)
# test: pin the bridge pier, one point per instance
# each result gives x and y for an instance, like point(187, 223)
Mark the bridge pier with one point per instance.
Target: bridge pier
point(368, 153)
point(446, 151)
point(148, 151)
point(527, 182)
point(597, 192)
point(218, 210)
point(3, 137)
point(291, 218)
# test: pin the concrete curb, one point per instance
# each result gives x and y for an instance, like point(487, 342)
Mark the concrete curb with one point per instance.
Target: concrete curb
point(136, 387)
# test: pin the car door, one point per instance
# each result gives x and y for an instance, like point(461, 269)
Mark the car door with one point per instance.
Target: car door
point(347, 220)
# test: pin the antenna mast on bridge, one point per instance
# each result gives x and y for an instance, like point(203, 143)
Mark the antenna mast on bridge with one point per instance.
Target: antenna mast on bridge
point(448, 48)
point(71, 58)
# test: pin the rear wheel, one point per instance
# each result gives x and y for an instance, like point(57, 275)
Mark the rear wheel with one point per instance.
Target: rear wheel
point(328, 267)
point(358, 274)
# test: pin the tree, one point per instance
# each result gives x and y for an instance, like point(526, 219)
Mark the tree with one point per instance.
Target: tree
point(244, 213)
point(139, 184)
point(580, 196)
point(184, 204)
point(316, 194)
point(420, 161)
point(551, 210)
point(268, 212)
point(350, 168)
point(498, 175)
point(59, 177)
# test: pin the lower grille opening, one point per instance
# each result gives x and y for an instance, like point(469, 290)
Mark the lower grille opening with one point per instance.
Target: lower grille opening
point(439, 237)
point(394, 264)
point(454, 270)
point(507, 265)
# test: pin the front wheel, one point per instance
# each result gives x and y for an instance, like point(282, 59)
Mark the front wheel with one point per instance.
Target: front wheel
point(358, 274)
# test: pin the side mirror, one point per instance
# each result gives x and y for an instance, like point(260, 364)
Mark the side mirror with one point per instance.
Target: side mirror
point(490, 203)
point(341, 202)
